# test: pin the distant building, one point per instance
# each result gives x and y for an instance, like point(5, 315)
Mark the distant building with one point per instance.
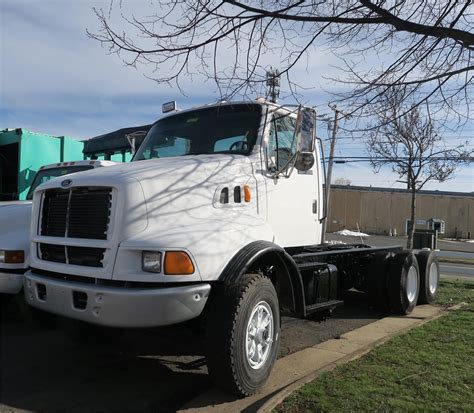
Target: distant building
point(383, 210)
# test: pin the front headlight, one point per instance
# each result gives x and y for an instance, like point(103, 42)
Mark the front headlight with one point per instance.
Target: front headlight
point(12, 257)
point(151, 261)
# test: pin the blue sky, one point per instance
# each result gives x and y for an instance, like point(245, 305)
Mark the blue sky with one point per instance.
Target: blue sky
point(54, 79)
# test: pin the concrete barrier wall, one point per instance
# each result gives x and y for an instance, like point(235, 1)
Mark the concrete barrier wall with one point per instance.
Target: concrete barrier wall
point(378, 210)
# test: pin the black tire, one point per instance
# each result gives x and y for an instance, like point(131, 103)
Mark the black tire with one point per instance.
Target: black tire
point(226, 334)
point(429, 267)
point(403, 295)
point(377, 279)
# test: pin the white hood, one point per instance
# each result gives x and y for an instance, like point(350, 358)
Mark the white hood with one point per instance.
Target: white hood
point(176, 184)
point(163, 202)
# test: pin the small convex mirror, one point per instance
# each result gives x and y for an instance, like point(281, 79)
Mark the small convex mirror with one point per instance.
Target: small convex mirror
point(305, 135)
point(304, 161)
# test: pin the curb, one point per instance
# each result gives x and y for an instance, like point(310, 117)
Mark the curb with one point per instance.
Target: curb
point(278, 398)
point(293, 371)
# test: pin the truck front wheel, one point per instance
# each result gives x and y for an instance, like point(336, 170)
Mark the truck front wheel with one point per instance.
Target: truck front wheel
point(243, 330)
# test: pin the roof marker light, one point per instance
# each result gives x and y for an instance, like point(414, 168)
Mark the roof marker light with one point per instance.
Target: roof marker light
point(168, 106)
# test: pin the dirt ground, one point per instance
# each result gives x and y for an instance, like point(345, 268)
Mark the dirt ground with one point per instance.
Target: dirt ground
point(43, 368)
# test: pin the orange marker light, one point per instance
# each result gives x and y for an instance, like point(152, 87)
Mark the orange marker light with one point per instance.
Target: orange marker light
point(178, 263)
point(247, 193)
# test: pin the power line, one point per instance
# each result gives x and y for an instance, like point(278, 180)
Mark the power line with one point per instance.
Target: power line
point(447, 158)
point(344, 159)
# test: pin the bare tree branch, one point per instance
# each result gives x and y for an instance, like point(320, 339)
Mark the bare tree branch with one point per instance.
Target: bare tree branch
point(425, 46)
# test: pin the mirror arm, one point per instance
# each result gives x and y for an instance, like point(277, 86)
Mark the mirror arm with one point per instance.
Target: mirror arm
point(324, 217)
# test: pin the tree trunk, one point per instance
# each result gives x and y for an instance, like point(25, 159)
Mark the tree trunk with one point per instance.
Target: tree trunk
point(412, 218)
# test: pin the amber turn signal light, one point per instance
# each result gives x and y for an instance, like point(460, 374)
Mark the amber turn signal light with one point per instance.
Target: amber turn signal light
point(178, 263)
point(13, 257)
point(247, 193)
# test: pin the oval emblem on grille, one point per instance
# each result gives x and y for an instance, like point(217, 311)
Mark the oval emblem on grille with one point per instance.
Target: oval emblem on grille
point(66, 183)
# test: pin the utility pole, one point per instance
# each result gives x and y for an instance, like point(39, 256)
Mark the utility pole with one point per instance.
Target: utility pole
point(330, 165)
point(273, 84)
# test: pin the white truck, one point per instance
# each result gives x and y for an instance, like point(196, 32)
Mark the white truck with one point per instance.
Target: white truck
point(15, 223)
point(218, 217)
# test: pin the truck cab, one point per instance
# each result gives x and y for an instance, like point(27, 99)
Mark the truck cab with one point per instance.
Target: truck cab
point(15, 222)
point(217, 218)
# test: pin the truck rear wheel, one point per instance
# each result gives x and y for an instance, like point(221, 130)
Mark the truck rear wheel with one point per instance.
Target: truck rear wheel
point(377, 279)
point(429, 277)
point(403, 282)
point(243, 330)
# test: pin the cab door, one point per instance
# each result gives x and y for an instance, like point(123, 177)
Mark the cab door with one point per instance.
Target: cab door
point(293, 197)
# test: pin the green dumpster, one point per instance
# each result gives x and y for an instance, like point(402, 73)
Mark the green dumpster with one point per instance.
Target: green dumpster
point(23, 152)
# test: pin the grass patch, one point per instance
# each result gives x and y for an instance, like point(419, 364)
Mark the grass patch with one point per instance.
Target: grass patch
point(429, 369)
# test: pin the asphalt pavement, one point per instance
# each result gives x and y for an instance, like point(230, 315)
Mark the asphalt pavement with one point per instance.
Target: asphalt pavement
point(384, 241)
point(456, 257)
point(49, 368)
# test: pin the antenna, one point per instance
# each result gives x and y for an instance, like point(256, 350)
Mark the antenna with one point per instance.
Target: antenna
point(273, 84)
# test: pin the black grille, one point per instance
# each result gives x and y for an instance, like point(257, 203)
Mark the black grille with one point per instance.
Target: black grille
point(53, 221)
point(82, 212)
point(89, 257)
point(54, 253)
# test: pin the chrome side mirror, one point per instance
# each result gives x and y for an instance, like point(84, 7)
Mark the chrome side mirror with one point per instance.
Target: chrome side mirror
point(304, 161)
point(305, 135)
point(306, 130)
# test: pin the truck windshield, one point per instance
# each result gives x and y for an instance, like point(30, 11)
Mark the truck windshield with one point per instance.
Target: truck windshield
point(229, 129)
point(46, 174)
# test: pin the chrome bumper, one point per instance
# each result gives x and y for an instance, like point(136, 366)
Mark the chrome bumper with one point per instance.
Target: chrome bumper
point(116, 306)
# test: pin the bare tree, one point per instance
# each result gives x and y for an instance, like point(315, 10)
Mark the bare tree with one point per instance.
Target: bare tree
point(425, 45)
point(409, 141)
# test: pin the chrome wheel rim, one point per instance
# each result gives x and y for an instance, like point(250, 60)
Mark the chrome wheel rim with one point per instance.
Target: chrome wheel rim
point(259, 335)
point(434, 276)
point(412, 284)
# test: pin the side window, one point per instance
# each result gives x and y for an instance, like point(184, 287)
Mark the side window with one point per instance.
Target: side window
point(281, 146)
